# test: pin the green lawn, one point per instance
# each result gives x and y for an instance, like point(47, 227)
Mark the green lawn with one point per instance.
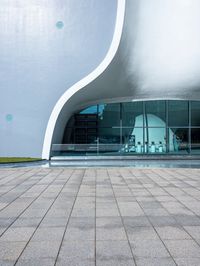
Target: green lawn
point(17, 159)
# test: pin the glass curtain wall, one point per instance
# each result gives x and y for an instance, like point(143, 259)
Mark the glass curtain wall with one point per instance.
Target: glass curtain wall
point(195, 127)
point(133, 128)
point(178, 123)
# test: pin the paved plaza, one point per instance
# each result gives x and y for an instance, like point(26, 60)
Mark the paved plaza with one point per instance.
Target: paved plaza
point(99, 216)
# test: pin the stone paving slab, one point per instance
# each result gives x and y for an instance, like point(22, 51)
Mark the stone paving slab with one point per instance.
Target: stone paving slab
point(99, 216)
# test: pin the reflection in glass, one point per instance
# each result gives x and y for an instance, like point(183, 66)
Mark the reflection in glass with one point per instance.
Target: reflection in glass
point(156, 141)
point(109, 115)
point(132, 131)
point(132, 140)
point(109, 135)
point(130, 111)
point(195, 113)
point(155, 130)
point(133, 128)
point(178, 113)
point(178, 140)
point(109, 141)
point(155, 114)
point(89, 110)
point(195, 140)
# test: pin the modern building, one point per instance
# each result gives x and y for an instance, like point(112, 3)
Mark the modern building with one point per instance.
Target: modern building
point(89, 77)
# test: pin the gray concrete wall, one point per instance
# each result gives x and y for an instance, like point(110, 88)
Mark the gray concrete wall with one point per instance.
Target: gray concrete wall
point(39, 61)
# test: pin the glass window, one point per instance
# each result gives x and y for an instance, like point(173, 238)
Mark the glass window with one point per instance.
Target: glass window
point(178, 140)
point(195, 113)
point(109, 115)
point(155, 115)
point(155, 140)
point(195, 140)
point(109, 135)
point(90, 110)
point(109, 141)
point(132, 140)
point(134, 128)
point(69, 135)
point(132, 114)
point(178, 113)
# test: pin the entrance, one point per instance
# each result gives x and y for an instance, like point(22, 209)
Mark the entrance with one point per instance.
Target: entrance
point(133, 128)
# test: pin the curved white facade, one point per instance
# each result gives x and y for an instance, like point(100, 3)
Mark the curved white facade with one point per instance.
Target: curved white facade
point(75, 89)
point(157, 58)
point(46, 47)
point(120, 50)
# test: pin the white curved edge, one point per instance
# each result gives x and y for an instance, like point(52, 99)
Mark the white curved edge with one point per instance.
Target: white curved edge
point(86, 80)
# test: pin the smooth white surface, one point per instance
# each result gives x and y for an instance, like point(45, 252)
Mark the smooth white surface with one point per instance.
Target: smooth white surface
point(85, 81)
point(155, 56)
point(39, 62)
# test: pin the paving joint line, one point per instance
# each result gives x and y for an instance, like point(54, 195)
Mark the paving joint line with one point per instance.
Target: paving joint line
point(4, 193)
point(134, 260)
point(182, 226)
point(12, 173)
point(182, 188)
point(72, 207)
point(28, 205)
point(95, 220)
point(178, 199)
point(16, 187)
point(147, 215)
point(18, 196)
point(45, 212)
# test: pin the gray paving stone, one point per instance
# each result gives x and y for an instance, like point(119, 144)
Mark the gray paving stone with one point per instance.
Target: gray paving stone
point(141, 233)
point(34, 213)
point(194, 231)
point(109, 222)
point(180, 211)
point(75, 261)
point(2, 205)
point(126, 199)
point(113, 253)
point(165, 198)
point(60, 212)
point(5, 222)
point(156, 212)
point(172, 232)
point(115, 262)
point(136, 221)
point(130, 209)
point(11, 250)
point(162, 220)
point(110, 229)
point(80, 228)
point(26, 222)
point(54, 222)
point(108, 199)
point(149, 249)
point(7, 262)
point(107, 212)
point(36, 262)
point(187, 220)
point(145, 197)
point(150, 204)
point(17, 234)
point(76, 251)
point(40, 249)
point(183, 248)
point(155, 262)
point(187, 261)
point(2, 229)
point(44, 234)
